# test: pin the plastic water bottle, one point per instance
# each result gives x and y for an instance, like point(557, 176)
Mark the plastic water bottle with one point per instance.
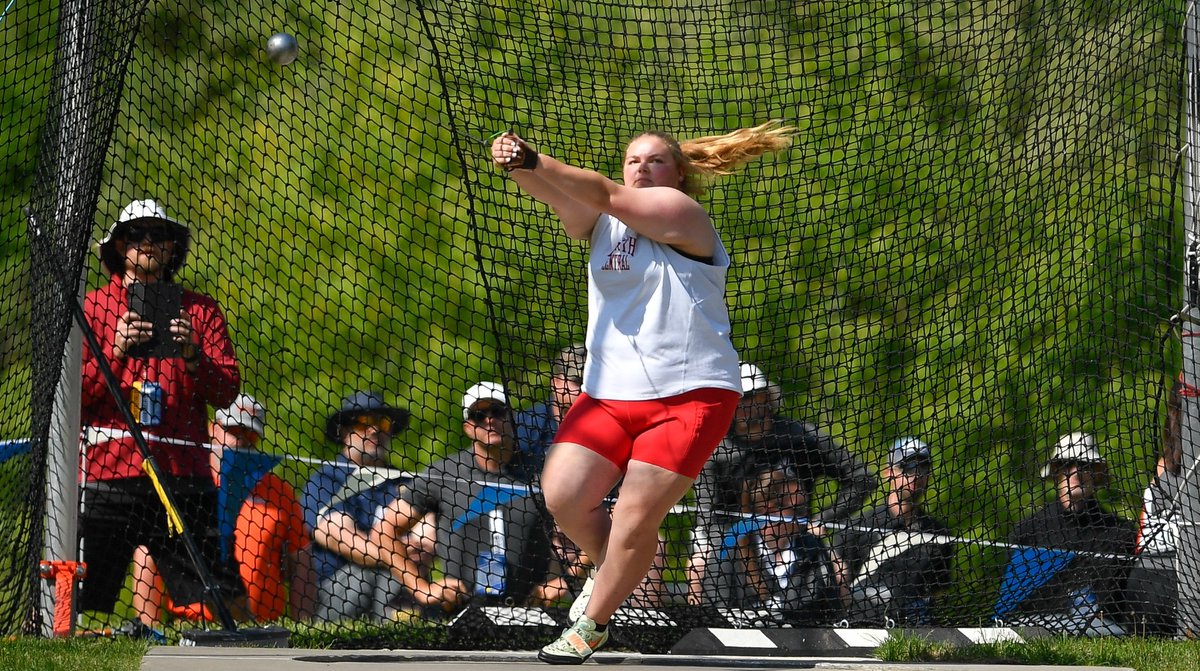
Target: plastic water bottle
point(490, 565)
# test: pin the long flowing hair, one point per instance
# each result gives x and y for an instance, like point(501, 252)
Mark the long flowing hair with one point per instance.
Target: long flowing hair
point(704, 158)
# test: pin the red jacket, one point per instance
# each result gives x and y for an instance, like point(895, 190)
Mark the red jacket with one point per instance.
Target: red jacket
point(185, 395)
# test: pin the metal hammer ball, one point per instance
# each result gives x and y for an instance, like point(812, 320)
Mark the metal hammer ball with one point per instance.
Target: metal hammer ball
point(282, 48)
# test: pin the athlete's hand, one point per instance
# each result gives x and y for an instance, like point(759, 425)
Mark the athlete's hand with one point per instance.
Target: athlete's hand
point(512, 153)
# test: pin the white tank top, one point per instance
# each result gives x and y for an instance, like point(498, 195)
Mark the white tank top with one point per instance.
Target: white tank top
point(657, 321)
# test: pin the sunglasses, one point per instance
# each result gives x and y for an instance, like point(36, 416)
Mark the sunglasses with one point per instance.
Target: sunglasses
point(381, 422)
point(493, 411)
point(148, 233)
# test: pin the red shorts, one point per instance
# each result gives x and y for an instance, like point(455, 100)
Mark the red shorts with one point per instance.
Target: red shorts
point(677, 433)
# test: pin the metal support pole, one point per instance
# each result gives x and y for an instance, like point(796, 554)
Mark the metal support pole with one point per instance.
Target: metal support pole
point(1187, 566)
point(62, 476)
point(77, 31)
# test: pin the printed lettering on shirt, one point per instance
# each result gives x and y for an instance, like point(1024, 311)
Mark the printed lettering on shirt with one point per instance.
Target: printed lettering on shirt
point(618, 258)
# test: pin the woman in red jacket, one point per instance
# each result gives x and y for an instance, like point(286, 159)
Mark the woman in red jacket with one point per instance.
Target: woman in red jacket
point(169, 389)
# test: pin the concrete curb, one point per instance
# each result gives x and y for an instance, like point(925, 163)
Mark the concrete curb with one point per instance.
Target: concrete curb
point(170, 658)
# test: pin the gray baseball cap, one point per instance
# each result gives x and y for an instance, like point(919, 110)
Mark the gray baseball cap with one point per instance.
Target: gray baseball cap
point(908, 453)
point(246, 412)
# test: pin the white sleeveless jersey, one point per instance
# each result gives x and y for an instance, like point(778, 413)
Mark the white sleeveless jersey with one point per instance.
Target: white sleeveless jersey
point(657, 321)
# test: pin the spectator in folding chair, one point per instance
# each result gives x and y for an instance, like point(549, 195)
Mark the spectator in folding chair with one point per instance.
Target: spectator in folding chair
point(267, 541)
point(1069, 570)
point(894, 559)
point(492, 535)
point(760, 433)
point(271, 544)
point(1153, 586)
point(343, 505)
point(768, 559)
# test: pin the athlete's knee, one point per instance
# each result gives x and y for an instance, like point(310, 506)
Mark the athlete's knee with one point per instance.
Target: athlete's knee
point(556, 501)
point(576, 480)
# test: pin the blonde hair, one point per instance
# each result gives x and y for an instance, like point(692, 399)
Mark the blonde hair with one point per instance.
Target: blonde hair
point(715, 155)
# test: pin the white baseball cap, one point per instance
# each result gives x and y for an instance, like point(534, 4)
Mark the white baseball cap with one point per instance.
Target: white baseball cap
point(753, 379)
point(245, 412)
point(909, 452)
point(483, 391)
point(1074, 448)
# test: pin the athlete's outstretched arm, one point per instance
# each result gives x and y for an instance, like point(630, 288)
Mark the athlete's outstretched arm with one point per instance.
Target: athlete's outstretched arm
point(663, 214)
point(577, 218)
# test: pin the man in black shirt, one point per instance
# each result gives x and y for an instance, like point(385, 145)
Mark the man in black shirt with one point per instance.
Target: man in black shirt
point(491, 536)
point(894, 558)
point(1090, 548)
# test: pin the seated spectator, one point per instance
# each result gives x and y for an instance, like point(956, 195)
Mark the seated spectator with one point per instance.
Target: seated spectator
point(895, 558)
point(270, 544)
point(1073, 556)
point(1153, 585)
point(491, 534)
point(535, 427)
point(761, 434)
point(343, 502)
point(768, 559)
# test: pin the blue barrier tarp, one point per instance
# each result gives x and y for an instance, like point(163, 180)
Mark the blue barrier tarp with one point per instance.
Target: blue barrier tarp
point(1027, 570)
point(240, 472)
point(12, 448)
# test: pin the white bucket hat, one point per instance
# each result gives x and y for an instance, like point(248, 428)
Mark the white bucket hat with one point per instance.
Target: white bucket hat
point(1074, 448)
point(139, 212)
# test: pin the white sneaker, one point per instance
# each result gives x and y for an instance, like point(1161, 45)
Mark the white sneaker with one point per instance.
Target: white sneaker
point(576, 644)
point(580, 603)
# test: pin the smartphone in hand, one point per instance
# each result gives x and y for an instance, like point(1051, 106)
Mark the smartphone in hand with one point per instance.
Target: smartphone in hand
point(157, 303)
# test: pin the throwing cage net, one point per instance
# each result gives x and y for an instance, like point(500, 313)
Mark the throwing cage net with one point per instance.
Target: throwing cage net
point(957, 292)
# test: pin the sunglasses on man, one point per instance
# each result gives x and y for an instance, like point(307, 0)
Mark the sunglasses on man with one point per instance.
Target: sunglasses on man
point(493, 411)
point(243, 434)
point(381, 422)
point(148, 234)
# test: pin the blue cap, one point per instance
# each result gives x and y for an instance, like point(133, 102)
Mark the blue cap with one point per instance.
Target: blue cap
point(909, 452)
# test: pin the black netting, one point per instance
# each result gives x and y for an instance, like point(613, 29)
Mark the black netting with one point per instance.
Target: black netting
point(969, 257)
